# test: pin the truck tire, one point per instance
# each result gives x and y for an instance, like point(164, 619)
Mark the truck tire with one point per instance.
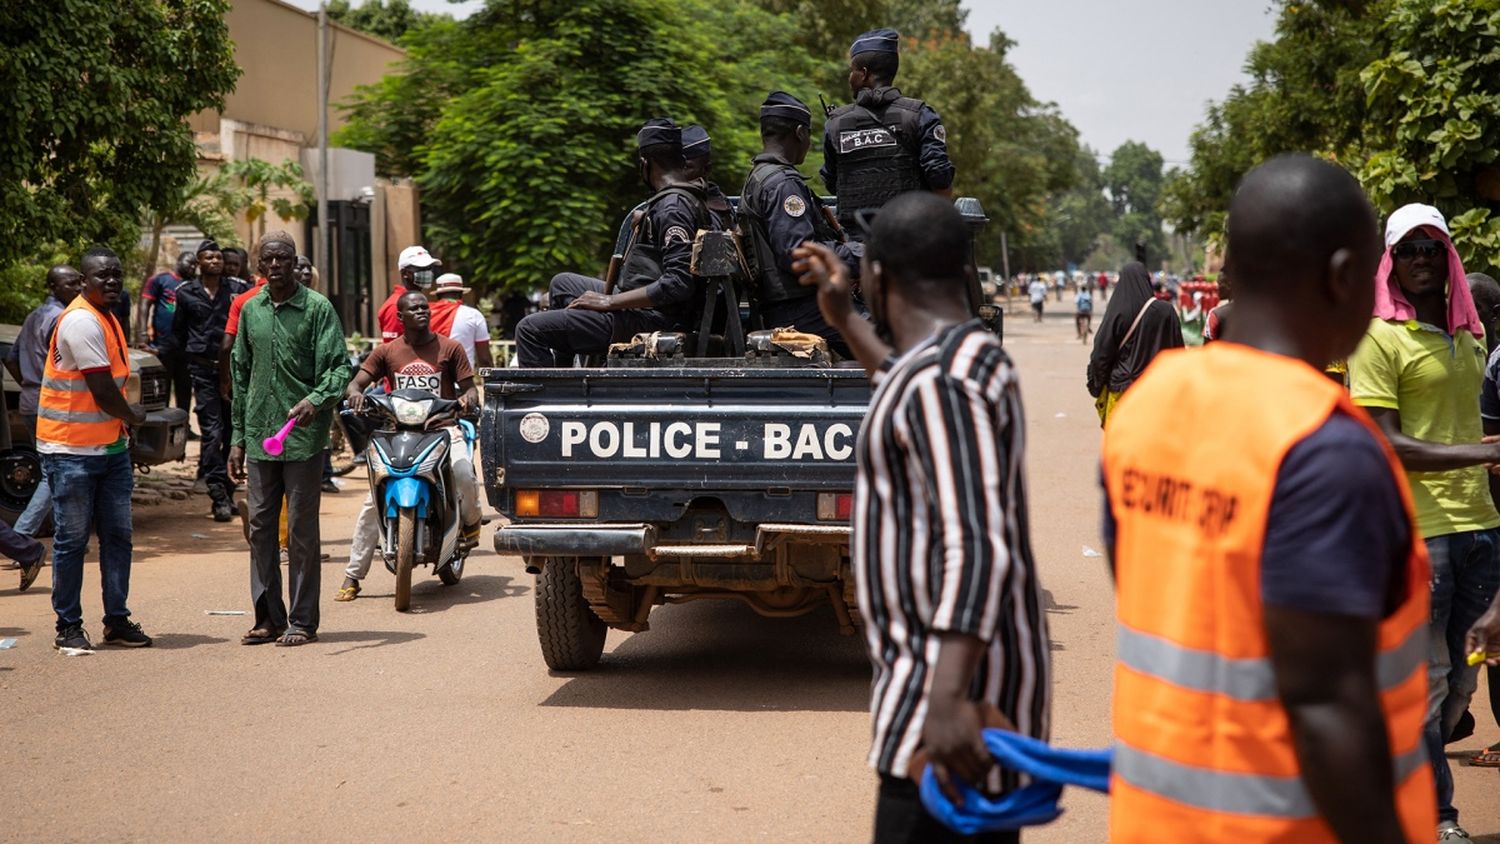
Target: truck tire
point(572, 637)
point(406, 555)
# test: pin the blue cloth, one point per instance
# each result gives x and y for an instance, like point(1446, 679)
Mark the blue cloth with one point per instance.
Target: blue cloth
point(1050, 769)
point(90, 494)
point(883, 40)
point(162, 289)
point(1338, 535)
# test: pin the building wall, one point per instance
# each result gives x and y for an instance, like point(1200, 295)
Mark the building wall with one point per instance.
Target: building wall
point(277, 47)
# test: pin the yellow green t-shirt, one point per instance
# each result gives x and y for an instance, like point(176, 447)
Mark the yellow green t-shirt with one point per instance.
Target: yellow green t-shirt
point(1433, 381)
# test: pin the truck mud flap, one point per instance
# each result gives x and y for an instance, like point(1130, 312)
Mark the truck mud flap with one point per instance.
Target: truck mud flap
point(565, 540)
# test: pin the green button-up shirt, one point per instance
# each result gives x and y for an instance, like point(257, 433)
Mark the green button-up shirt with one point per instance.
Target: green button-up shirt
point(283, 354)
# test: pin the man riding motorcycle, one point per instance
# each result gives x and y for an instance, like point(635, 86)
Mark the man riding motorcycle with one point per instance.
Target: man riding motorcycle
point(420, 359)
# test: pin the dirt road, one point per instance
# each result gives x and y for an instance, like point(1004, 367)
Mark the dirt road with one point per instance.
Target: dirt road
point(716, 725)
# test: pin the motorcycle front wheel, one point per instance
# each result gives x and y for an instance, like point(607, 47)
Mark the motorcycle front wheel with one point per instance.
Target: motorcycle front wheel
point(406, 555)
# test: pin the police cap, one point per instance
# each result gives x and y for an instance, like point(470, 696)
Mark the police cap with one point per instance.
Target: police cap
point(884, 40)
point(659, 132)
point(787, 107)
point(695, 143)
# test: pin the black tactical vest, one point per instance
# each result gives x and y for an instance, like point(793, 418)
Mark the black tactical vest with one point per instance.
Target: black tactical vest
point(772, 283)
point(877, 154)
point(641, 264)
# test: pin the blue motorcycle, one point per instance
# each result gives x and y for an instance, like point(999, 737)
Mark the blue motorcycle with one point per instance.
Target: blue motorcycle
point(412, 485)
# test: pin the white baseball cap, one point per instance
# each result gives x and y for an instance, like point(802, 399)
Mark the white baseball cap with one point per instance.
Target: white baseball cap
point(450, 283)
point(416, 256)
point(1409, 217)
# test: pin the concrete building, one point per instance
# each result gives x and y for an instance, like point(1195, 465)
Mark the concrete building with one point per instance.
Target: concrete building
point(272, 115)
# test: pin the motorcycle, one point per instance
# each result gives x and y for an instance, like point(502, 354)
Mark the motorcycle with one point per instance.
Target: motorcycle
point(413, 488)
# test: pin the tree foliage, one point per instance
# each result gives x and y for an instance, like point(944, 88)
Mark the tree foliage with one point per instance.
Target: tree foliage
point(1405, 93)
point(518, 123)
point(388, 19)
point(96, 98)
point(209, 204)
point(1134, 180)
point(294, 196)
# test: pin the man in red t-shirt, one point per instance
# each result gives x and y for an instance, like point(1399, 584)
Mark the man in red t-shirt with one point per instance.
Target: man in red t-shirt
point(419, 359)
point(232, 327)
point(418, 272)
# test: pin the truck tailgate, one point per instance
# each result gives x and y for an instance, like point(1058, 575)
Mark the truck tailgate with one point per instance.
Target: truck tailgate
point(673, 428)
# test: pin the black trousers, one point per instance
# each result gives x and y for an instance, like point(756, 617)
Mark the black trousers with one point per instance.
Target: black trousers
point(175, 362)
point(213, 428)
point(552, 338)
point(803, 315)
point(900, 817)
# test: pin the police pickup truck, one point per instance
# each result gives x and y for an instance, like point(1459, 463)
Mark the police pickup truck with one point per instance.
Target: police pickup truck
point(669, 474)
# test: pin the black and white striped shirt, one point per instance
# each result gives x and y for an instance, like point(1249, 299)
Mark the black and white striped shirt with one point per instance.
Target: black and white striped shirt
point(940, 539)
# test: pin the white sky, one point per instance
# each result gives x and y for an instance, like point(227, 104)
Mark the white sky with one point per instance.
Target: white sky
point(1119, 69)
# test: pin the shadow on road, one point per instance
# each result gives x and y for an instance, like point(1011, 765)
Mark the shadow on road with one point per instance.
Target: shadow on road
point(182, 641)
point(429, 595)
point(717, 655)
point(362, 639)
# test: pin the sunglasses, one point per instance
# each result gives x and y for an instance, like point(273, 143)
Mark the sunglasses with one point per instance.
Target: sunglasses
point(1414, 248)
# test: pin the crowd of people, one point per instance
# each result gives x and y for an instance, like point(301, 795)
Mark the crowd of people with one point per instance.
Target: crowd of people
point(1305, 586)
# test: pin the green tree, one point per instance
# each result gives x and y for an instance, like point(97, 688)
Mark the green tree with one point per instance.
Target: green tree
point(1134, 180)
point(96, 98)
point(388, 19)
point(209, 204)
point(1081, 216)
point(258, 179)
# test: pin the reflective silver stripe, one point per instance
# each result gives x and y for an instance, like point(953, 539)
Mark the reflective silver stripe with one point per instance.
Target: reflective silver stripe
point(1249, 679)
point(73, 416)
point(74, 385)
point(1241, 794)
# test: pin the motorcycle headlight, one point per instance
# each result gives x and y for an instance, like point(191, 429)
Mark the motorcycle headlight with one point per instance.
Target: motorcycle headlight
point(410, 412)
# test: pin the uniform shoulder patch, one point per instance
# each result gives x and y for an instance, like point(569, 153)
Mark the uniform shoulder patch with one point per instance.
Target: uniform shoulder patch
point(940, 133)
point(794, 206)
point(676, 234)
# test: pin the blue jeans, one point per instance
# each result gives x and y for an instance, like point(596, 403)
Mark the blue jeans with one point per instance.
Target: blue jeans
point(1465, 574)
point(90, 494)
point(30, 520)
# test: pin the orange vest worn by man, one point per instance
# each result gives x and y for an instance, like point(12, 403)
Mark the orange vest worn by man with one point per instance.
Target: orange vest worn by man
point(67, 414)
point(1204, 743)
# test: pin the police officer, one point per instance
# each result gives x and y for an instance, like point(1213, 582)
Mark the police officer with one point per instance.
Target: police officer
point(882, 144)
point(698, 150)
point(656, 291)
point(782, 213)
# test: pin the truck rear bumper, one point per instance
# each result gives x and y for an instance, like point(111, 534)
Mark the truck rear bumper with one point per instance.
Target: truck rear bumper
point(582, 540)
point(161, 438)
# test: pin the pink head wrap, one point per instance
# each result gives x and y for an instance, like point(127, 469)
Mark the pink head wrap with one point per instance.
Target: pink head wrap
point(1390, 300)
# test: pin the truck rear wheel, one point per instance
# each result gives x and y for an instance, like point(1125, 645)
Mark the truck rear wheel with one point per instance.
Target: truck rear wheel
point(572, 637)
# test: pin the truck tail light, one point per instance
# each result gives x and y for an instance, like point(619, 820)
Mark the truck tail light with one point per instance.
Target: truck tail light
point(835, 506)
point(561, 503)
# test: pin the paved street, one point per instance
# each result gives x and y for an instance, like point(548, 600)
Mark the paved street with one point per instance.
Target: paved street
point(716, 725)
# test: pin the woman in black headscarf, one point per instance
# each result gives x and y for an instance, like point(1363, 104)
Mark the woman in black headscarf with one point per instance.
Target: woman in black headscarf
point(1135, 328)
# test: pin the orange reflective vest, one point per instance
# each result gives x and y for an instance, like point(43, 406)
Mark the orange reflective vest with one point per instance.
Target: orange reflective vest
point(66, 411)
point(1203, 744)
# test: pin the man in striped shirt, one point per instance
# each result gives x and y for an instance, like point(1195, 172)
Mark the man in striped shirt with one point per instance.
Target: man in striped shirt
point(941, 551)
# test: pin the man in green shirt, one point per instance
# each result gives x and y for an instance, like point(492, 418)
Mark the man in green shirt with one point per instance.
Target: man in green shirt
point(289, 362)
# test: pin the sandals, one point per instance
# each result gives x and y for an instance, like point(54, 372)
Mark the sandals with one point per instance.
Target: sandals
point(260, 636)
point(1487, 758)
point(347, 593)
point(294, 637)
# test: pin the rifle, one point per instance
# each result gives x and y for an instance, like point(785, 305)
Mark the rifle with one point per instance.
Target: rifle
point(612, 272)
point(827, 109)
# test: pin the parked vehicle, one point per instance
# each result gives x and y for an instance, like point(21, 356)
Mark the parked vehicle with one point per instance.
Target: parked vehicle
point(413, 487)
point(714, 464)
point(162, 438)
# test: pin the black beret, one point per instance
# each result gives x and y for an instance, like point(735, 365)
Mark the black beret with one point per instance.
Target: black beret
point(659, 131)
point(209, 245)
point(884, 40)
point(787, 107)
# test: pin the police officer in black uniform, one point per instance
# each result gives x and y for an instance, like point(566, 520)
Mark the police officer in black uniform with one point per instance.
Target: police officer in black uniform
point(882, 144)
point(697, 149)
point(656, 291)
point(781, 213)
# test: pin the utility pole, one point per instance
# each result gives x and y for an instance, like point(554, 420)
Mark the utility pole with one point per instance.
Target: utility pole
point(323, 256)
